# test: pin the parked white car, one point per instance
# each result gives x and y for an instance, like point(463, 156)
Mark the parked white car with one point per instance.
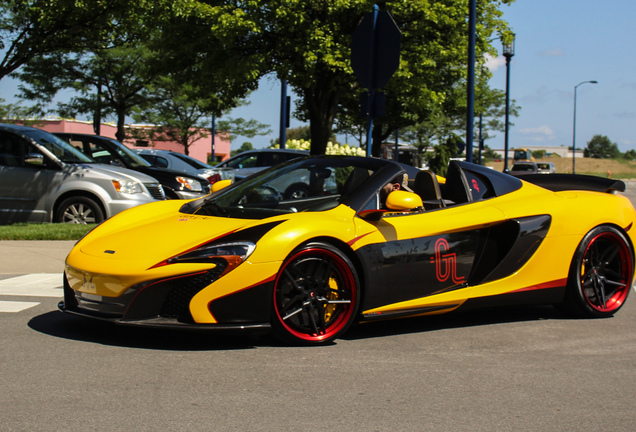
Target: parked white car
point(44, 179)
point(546, 168)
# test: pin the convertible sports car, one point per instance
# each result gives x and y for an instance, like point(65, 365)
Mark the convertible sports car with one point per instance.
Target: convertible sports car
point(307, 266)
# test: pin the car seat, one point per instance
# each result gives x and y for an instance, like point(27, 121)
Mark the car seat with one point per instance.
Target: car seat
point(456, 188)
point(427, 187)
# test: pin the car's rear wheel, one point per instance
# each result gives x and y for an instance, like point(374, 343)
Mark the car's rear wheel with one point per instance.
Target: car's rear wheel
point(316, 295)
point(601, 274)
point(79, 210)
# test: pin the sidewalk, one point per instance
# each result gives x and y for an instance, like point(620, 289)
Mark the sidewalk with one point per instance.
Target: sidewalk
point(18, 257)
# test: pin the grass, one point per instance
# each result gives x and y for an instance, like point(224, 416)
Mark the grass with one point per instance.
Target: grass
point(24, 231)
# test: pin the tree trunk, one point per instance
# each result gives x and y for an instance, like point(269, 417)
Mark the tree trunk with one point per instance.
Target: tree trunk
point(322, 102)
point(121, 120)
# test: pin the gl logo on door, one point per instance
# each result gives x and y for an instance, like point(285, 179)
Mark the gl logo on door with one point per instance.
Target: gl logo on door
point(446, 263)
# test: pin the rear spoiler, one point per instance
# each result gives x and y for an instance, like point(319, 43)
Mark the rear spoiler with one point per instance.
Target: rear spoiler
point(563, 182)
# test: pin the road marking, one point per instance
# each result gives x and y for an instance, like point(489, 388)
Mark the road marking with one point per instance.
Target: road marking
point(16, 306)
point(31, 285)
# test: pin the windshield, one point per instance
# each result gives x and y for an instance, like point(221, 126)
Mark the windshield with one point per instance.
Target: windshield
point(60, 149)
point(308, 184)
point(132, 159)
point(247, 160)
point(522, 167)
point(191, 161)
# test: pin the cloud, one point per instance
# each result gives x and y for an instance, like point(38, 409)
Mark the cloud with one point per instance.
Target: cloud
point(539, 134)
point(554, 52)
point(494, 63)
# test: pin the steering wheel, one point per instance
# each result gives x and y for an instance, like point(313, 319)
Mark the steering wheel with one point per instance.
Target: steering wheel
point(260, 194)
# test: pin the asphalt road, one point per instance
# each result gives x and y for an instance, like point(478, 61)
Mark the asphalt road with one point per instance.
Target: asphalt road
point(526, 369)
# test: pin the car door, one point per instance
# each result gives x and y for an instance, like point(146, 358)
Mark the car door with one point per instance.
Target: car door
point(23, 186)
point(425, 253)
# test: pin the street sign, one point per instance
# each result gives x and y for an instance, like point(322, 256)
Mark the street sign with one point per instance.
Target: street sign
point(375, 56)
point(375, 49)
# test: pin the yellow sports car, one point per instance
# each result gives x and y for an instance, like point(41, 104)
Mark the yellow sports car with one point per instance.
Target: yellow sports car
point(307, 248)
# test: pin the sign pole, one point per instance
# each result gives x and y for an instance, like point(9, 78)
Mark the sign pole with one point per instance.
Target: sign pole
point(372, 75)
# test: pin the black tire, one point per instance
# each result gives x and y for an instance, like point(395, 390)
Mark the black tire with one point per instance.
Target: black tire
point(296, 191)
point(316, 295)
point(79, 210)
point(601, 274)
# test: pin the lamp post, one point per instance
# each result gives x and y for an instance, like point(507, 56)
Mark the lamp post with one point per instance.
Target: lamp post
point(574, 125)
point(508, 52)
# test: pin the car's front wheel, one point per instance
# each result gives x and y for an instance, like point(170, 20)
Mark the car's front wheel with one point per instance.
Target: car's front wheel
point(79, 210)
point(601, 274)
point(316, 295)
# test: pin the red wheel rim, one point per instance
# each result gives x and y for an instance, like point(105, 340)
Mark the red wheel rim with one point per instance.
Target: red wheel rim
point(315, 295)
point(606, 272)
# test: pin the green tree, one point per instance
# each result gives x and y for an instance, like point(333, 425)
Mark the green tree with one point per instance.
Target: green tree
point(178, 112)
point(109, 82)
point(246, 146)
point(489, 154)
point(443, 153)
point(13, 111)
point(241, 127)
point(630, 155)
point(30, 28)
point(309, 45)
point(600, 147)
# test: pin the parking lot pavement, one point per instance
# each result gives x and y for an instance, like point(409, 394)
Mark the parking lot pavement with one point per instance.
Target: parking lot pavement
point(19, 257)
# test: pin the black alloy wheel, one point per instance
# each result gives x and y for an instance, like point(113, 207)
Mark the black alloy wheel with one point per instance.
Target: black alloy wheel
point(601, 274)
point(316, 295)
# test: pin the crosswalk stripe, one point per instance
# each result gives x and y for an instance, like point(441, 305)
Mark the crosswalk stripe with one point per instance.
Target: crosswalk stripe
point(16, 306)
point(33, 285)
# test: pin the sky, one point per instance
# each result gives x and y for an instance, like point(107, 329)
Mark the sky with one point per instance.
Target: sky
point(559, 44)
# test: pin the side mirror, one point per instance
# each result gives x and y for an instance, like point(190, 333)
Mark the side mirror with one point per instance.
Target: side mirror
point(400, 200)
point(217, 186)
point(36, 159)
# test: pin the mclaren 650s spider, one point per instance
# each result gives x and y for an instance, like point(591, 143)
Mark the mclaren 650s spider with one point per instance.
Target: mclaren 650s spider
point(309, 247)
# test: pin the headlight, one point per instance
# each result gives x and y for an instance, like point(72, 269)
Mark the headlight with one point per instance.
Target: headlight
point(190, 183)
point(231, 253)
point(127, 186)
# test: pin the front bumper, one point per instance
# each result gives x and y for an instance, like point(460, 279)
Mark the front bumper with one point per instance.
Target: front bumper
point(163, 303)
point(170, 323)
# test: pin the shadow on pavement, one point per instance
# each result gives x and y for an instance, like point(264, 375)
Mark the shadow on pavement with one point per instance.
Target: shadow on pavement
point(452, 320)
point(71, 327)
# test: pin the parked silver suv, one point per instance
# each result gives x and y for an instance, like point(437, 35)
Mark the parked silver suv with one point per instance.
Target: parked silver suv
point(44, 179)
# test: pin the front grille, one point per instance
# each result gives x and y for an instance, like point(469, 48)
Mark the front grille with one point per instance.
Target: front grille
point(156, 191)
point(177, 302)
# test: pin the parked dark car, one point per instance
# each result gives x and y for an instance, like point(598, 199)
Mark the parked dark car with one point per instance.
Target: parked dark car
point(252, 161)
point(176, 184)
point(523, 168)
point(180, 162)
